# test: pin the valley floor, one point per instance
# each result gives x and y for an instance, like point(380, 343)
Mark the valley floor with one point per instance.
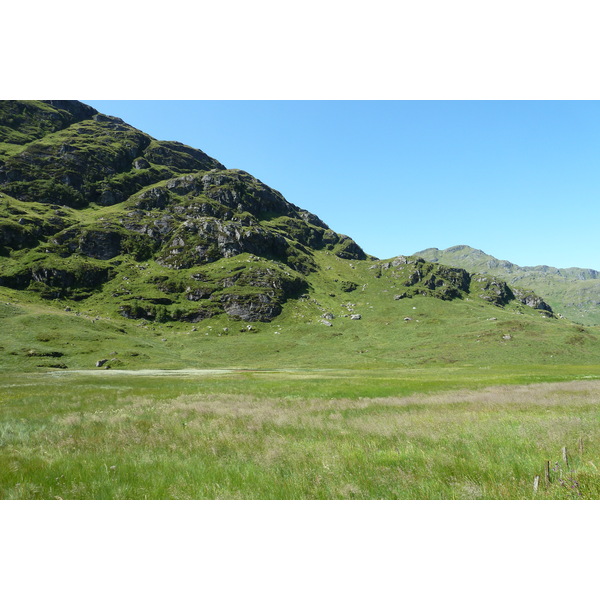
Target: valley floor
point(443, 433)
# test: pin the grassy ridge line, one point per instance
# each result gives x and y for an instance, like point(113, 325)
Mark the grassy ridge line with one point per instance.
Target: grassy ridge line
point(169, 438)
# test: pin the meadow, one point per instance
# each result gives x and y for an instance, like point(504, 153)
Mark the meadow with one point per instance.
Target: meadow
point(419, 399)
point(414, 433)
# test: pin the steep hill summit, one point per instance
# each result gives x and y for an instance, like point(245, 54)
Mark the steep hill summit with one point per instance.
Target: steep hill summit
point(573, 292)
point(86, 196)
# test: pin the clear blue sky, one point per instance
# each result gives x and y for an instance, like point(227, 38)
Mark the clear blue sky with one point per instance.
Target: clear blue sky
point(517, 179)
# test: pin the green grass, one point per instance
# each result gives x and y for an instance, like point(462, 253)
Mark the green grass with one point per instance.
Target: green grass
point(294, 435)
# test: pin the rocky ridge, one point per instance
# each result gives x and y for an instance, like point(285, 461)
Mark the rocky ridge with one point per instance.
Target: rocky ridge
point(92, 208)
point(573, 292)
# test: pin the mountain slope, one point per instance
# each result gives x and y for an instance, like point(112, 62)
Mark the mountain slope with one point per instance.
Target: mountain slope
point(115, 244)
point(572, 292)
point(94, 197)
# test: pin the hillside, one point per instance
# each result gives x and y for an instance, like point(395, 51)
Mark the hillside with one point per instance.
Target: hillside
point(121, 248)
point(572, 292)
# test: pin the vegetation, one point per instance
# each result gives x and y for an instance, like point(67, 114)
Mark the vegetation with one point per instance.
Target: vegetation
point(170, 328)
point(112, 436)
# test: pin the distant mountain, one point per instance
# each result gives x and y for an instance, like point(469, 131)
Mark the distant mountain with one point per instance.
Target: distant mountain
point(572, 292)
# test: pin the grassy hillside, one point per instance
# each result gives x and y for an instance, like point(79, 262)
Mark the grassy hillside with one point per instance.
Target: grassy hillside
point(316, 329)
point(573, 292)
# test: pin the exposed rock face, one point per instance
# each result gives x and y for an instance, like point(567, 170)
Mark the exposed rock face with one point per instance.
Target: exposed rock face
point(350, 250)
point(262, 307)
point(572, 292)
point(494, 290)
point(102, 245)
point(431, 280)
point(207, 239)
point(528, 298)
point(52, 282)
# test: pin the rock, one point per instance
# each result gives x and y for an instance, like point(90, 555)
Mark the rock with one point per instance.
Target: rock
point(494, 290)
point(102, 362)
point(141, 163)
point(507, 337)
point(355, 317)
point(259, 307)
point(324, 322)
point(528, 298)
point(407, 319)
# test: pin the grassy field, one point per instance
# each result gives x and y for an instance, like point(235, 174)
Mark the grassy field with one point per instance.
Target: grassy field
point(420, 398)
point(425, 433)
point(464, 400)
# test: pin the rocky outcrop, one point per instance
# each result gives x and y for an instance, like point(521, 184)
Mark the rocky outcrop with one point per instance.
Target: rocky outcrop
point(53, 282)
point(261, 307)
point(23, 122)
point(206, 239)
point(102, 244)
point(493, 290)
point(430, 279)
point(528, 298)
point(90, 158)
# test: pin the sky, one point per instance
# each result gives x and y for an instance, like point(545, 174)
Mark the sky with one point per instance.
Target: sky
point(517, 179)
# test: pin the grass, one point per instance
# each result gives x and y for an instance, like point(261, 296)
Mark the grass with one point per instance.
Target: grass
point(293, 435)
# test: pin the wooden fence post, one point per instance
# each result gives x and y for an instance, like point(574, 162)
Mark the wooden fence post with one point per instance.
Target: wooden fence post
point(580, 445)
point(565, 456)
point(547, 472)
point(536, 483)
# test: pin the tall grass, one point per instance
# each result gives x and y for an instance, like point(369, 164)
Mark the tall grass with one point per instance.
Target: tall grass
point(124, 440)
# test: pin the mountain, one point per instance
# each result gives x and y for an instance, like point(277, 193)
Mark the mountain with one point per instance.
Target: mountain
point(115, 243)
point(572, 292)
